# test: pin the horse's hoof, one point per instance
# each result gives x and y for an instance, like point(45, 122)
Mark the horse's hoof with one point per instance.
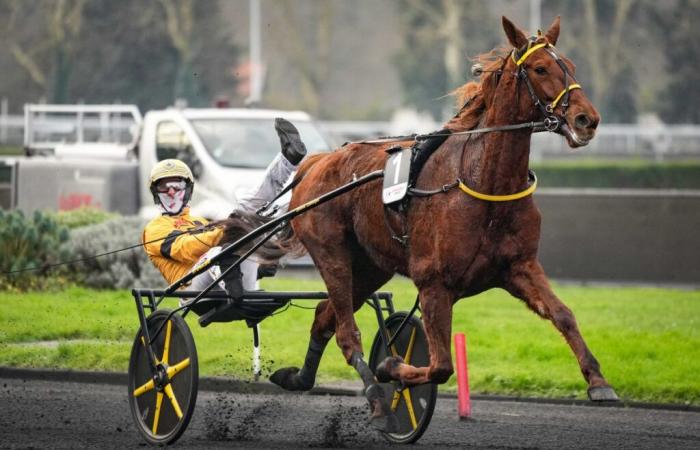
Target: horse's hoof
point(288, 379)
point(382, 418)
point(386, 367)
point(386, 424)
point(602, 394)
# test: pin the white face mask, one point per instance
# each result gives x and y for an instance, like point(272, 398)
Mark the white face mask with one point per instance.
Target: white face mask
point(173, 200)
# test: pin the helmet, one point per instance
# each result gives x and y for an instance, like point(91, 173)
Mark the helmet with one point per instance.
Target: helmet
point(171, 168)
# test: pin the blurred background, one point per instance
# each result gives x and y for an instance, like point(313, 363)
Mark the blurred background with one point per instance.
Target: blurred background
point(625, 207)
point(338, 60)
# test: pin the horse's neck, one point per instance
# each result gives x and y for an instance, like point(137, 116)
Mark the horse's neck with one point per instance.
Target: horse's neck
point(504, 158)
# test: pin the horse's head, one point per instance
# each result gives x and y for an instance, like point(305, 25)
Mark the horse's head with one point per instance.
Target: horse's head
point(553, 93)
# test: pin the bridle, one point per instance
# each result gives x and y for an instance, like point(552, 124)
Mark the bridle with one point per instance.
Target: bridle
point(552, 122)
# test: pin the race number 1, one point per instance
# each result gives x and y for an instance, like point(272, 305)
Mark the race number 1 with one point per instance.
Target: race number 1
point(396, 174)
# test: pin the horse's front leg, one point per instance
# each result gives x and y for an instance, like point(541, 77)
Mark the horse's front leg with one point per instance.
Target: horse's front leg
point(436, 306)
point(528, 282)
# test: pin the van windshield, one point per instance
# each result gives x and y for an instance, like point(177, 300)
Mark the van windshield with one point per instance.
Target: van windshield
point(250, 143)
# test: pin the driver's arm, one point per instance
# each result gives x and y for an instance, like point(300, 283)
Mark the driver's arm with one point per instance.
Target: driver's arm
point(176, 245)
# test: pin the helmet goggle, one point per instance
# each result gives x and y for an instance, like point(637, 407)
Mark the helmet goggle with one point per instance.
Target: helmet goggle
point(164, 186)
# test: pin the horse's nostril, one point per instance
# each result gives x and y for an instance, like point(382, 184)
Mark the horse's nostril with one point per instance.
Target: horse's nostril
point(582, 121)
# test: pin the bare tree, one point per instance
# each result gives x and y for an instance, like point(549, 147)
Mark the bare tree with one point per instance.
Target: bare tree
point(180, 20)
point(308, 47)
point(445, 22)
point(46, 53)
point(603, 64)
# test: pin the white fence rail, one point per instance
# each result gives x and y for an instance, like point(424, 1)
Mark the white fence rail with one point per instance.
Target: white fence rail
point(660, 142)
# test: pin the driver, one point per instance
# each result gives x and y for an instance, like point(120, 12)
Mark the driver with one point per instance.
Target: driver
point(171, 183)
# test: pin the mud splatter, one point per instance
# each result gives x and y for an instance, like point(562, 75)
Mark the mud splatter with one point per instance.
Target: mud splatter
point(239, 417)
point(216, 418)
point(346, 426)
point(253, 423)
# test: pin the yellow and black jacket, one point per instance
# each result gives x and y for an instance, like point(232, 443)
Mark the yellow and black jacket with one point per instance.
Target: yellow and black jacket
point(175, 255)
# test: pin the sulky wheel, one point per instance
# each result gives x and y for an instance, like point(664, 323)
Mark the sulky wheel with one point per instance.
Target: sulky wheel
point(162, 404)
point(412, 405)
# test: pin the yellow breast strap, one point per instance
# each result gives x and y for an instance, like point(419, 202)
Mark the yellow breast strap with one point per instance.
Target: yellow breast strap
point(500, 198)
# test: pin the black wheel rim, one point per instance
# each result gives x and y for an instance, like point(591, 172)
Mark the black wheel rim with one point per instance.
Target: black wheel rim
point(413, 405)
point(162, 411)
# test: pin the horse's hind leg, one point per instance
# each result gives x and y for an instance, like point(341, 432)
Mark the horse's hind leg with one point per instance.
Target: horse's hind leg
point(369, 278)
point(295, 379)
point(350, 277)
point(529, 283)
point(366, 279)
point(337, 315)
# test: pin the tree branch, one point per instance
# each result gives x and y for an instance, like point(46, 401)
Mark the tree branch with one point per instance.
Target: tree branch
point(26, 61)
point(623, 7)
point(423, 8)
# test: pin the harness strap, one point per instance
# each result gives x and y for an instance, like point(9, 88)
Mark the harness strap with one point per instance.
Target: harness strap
point(532, 180)
point(528, 53)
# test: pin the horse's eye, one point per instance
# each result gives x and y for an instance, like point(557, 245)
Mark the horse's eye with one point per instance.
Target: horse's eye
point(540, 70)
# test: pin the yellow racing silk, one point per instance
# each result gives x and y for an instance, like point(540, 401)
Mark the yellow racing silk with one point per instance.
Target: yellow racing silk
point(175, 255)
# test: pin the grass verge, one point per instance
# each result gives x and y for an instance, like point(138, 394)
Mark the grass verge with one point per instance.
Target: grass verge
point(646, 339)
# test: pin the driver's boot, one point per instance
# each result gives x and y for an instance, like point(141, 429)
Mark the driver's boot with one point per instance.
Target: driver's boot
point(293, 148)
point(233, 281)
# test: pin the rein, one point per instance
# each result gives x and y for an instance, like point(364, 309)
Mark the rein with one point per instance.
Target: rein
point(544, 125)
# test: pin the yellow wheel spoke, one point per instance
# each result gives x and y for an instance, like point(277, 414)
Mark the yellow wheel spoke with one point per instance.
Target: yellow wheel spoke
point(156, 415)
point(409, 349)
point(395, 401)
point(166, 348)
point(147, 386)
point(406, 393)
point(409, 406)
point(177, 368)
point(171, 395)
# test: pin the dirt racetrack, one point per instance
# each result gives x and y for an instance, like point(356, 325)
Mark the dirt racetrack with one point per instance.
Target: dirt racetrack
point(50, 414)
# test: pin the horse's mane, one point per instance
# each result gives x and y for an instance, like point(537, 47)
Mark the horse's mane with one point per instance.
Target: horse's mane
point(473, 97)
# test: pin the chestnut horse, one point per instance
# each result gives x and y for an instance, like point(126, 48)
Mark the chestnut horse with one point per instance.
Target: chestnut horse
point(457, 245)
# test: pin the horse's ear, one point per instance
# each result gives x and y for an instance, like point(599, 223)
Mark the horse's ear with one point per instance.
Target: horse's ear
point(553, 33)
point(515, 35)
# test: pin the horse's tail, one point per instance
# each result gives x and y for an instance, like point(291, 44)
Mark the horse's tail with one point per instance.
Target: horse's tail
point(290, 242)
point(283, 243)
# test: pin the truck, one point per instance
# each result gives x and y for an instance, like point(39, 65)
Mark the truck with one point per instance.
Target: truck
point(101, 155)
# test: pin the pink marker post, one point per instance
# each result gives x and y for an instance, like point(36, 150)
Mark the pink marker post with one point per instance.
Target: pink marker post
point(464, 406)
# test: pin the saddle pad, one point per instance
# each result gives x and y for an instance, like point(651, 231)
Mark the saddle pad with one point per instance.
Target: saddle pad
point(396, 172)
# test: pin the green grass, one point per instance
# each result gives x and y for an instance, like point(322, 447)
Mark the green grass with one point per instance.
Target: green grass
point(646, 339)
